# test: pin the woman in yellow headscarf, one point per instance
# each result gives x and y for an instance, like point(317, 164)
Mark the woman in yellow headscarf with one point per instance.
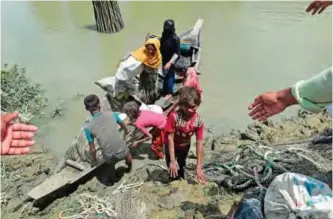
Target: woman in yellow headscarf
point(149, 54)
point(144, 61)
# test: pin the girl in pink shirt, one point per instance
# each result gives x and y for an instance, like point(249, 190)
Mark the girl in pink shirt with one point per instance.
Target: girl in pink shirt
point(144, 119)
point(190, 77)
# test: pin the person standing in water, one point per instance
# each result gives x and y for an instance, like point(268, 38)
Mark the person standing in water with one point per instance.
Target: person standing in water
point(170, 51)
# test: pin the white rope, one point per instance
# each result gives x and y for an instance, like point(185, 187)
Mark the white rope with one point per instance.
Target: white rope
point(90, 205)
point(122, 187)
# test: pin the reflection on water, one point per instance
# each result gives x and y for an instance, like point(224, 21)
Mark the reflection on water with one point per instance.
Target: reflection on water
point(248, 47)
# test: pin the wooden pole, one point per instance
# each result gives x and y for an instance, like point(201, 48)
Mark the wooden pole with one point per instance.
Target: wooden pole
point(108, 16)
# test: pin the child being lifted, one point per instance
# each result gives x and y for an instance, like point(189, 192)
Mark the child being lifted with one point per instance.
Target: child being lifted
point(144, 119)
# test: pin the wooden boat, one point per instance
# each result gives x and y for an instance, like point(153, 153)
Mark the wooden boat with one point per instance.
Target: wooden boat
point(192, 57)
point(77, 162)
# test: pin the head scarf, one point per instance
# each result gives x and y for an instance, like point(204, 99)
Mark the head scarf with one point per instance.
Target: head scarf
point(169, 27)
point(169, 41)
point(141, 54)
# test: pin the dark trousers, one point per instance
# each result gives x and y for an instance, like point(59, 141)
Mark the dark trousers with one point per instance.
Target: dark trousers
point(180, 155)
point(169, 82)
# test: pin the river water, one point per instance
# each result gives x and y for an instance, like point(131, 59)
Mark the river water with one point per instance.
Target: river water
point(248, 48)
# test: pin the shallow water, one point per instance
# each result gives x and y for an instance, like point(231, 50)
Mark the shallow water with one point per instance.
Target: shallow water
point(248, 47)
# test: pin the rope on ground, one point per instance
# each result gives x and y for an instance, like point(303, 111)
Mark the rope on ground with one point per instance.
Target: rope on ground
point(90, 205)
point(256, 165)
point(122, 187)
point(93, 205)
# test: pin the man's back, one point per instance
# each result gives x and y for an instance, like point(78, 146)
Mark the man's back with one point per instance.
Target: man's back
point(103, 127)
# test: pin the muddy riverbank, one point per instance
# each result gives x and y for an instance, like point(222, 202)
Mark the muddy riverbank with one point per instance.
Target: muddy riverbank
point(180, 199)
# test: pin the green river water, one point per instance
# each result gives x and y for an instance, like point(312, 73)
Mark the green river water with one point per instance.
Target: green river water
point(248, 48)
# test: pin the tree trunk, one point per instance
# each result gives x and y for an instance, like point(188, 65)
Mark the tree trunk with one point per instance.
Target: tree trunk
point(108, 17)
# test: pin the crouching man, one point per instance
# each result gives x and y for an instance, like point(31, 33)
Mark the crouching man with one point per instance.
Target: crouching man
point(103, 127)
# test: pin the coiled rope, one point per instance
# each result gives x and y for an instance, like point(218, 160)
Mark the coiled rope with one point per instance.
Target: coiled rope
point(255, 166)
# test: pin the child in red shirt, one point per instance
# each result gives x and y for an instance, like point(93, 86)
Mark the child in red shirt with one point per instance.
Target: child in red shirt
point(180, 127)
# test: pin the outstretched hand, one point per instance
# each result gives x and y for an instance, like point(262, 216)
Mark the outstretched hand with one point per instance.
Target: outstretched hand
point(15, 138)
point(200, 176)
point(318, 6)
point(266, 105)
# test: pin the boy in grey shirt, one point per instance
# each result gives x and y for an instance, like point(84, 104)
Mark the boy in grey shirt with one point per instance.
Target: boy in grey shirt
point(103, 127)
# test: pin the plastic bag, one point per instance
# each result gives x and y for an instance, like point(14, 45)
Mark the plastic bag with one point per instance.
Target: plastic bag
point(298, 196)
point(251, 205)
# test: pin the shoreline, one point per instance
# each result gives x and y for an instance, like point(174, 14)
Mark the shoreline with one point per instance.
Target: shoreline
point(21, 173)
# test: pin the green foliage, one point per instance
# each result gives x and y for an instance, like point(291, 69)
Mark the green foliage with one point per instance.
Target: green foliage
point(19, 93)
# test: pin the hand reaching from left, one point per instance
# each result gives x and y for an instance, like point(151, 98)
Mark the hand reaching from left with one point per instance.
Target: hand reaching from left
point(16, 138)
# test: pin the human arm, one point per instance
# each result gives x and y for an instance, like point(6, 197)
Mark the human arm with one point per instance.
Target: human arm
point(170, 130)
point(315, 93)
point(175, 56)
point(171, 147)
point(90, 140)
point(172, 108)
point(318, 6)
point(136, 143)
point(121, 123)
point(15, 138)
point(143, 130)
point(199, 148)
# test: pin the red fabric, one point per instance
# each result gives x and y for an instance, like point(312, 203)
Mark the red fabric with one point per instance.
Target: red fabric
point(191, 80)
point(184, 130)
point(158, 142)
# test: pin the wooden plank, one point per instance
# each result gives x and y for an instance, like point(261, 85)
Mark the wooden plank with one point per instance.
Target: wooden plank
point(84, 173)
point(55, 182)
point(58, 181)
point(75, 164)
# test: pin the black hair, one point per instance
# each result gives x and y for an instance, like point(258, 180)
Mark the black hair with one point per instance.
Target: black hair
point(132, 110)
point(189, 96)
point(91, 102)
point(180, 65)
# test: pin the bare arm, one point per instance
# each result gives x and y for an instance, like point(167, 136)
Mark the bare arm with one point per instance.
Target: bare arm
point(171, 145)
point(90, 139)
point(92, 150)
point(124, 127)
point(286, 97)
point(199, 154)
point(142, 140)
point(144, 131)
point(174, 106)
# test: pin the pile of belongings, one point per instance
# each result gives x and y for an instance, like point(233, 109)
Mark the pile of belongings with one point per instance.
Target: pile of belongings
point(289, 196)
